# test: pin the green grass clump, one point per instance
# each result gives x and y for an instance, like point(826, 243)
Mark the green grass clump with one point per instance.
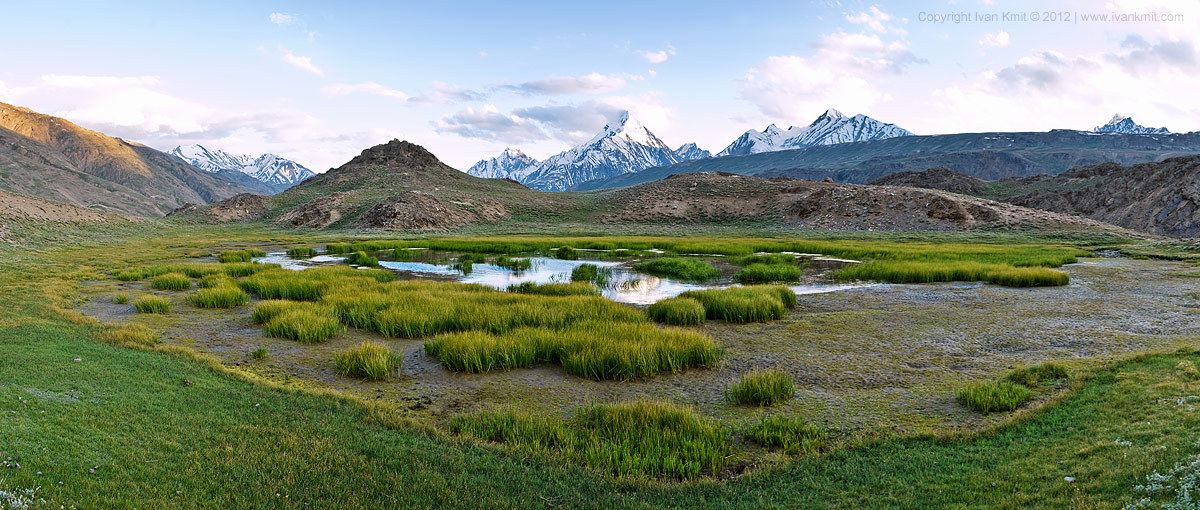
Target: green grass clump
point(1027, 277)
point(310, 284)
point(755, 303)
point(372, 361)
point(194, 270)
point(994, 396)
point(591, 273)
point(231, 256)
point(764, 387)
point(566, 253)
point(953, 271)
point(302, 253)
point(792, 435)
point(679, 268)
point(215, 280)
point(359, 258)
point(768, 273)
point(595, 350)
point(129, 334)
point(260, 353)
point(171, 281)
point(402, 254)
point(513, 264)
point(638, 439)
point(271, 308)
point(304, 325)
point(225, 296)
point(338, 248)
point(120, 298)
point(677, 311)
point(1034, 376)
point(555, 289)
point(152, 304)
point(764, 258)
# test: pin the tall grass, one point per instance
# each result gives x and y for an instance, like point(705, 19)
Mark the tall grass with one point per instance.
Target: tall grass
point(677, 311)
point(120, 298)
point(591, 273)
point(994, 396)
point(194, 270)
point(516, 265)
point(757, 303)
point(556, 289)
point(679, 268)
point(932, 272)
point(171, 281)
point(152, 304)
point(764, 258)
point(225, 296)
point(370, 360)
point(310, 284)
point(302, 252)
point(566, 253)
point(402, 254)
point(638, 439)
point(768, 273)
point(359, 258)
point(762, 387)
point(239, 255)
point(304, 325)
point(215, 280)
point(792, 435)
point(338, 248)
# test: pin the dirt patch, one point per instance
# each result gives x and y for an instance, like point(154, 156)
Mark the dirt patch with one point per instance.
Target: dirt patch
point(417, 210)
point(18, 207)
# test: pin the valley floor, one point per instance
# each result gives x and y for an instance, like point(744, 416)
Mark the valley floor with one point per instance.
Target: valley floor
point(195, 423)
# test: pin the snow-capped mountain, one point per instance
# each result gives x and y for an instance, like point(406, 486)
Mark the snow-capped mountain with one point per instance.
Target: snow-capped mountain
point(690, 151)
point(512, 163)
point(1126, 125)
point(623, 146)
point(278, 173)
point(830, 128)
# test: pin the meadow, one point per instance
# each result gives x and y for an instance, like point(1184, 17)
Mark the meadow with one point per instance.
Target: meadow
point(177, 427)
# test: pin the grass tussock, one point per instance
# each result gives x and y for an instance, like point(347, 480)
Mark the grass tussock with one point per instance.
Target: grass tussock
point(372, 361)
point(260, 353)
point(360, 258)
point(677, 312)
point(120, 298)
point(591, 273)
point(764, 258)
point(152, 304)
point(194, 270)
point(171, 281)
point(768, 273)
point(994, 396)
point(556, 289)
point(128, 334)
point(934, 272)
point(215, 280)
point(791, 435)
point(566, 253)
point(302, 252)
point(740, 305)
point(232, 256)
point(679, 268)
point(763, 387)
point(638, 439)
point(304, 325)
point(338, 248)
point(225, 296)
point(402, 254)
point(311, 284)
point(515, 265)
point(1037, 375)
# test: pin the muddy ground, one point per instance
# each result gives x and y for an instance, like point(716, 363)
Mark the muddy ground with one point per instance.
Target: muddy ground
point(888, 357)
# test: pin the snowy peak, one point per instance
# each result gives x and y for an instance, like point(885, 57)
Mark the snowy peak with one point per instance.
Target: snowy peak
point(1126, 125)
point(623, 127)
point(512, 164)
point(278, 172)
point(831, 127)
point(690, 151)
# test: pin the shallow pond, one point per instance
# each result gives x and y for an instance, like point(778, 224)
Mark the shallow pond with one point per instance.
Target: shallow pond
point(624, 286)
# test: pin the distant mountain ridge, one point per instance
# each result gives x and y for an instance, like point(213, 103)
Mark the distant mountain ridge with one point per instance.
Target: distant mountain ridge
point(1126, 125)
point(832, 127)
point(510, 164)
point(275, 172)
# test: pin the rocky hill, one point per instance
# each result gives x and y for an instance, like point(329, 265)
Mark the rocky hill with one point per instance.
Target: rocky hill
point(943, 178)
point(48, 157)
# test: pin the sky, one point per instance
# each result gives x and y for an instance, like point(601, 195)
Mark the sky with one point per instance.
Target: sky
point(318, 82)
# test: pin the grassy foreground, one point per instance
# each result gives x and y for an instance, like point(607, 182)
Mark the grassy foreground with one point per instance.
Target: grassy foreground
point(221, 440)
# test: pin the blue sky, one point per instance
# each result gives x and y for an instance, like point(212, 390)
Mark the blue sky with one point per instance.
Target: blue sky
point(318, 82)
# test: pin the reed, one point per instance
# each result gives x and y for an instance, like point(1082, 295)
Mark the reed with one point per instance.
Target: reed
point(757, 303)
point(225, 296)
point(372, 361)
point(152, 304)
point(677, 311)
point(171, 281)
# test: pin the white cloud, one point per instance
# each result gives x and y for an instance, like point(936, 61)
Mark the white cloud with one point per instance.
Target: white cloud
point(874, 19)
point(594, 83)
point(343, 89)
point(657, 57)
point(304, 63)
point(997, 40)
point(488, 123)
point(570, 123)
point(280, 18)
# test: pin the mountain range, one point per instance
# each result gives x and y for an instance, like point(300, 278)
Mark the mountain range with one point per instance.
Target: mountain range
point(1125, 125)
point(275, 172)
point(830, 128)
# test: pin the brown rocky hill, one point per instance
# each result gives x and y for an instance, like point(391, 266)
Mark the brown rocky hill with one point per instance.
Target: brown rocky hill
point(1159, 198)
point(51, 158)
point(942, 178)
point(22, 210)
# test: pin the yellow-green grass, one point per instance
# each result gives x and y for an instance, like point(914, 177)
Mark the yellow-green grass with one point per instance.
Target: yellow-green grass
point(266, 310)
point(215, 280)
point(230, 256)
point(359, 258)
point(224, 296)
point(128, 334)
point(260, 353)
point(1037, 375)
point(768, 273)
point(372, 361)
point(171, 281)
point(677, 311)
point(591, 273)
point(581, 288)
point(679, 268)
point(310, 284)
point(424, 312)
point(513, 264)
point(933, 272)
point(120, 298)
point(193, 270)
point(302, 252)
point(763, 258)
point(402, 254)
point(338, 248)
point(789, 434)
point(566, 253)
point(304, 325)
point(991, 397)
point(638, 439)
point(761, 387)
point(755, 303)
point(152, 304)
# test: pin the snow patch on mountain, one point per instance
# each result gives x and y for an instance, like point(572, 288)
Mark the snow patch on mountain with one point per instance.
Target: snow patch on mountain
point(512, 164)
point(280, 173)
point(690, 151)
point(1125, 125)
point(832, 127)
